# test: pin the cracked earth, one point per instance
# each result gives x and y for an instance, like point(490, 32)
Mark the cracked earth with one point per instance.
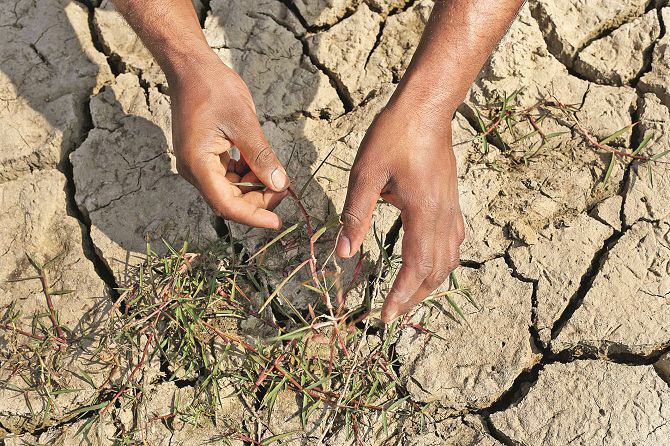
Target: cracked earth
point(570, 343)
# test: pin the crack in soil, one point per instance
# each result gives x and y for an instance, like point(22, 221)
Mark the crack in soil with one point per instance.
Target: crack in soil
point(532, 328)
point(378, 39)
point(206, 9)
point(90, 251)
point(351, 9)
point(648, 54)
point(585, 284)
point(605, 30)
point(98, 43)
point(335, 82)
point(498, 434)
point(37, 432)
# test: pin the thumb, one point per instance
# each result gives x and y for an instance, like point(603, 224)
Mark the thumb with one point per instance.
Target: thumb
point(362, 195)
point(261, 158)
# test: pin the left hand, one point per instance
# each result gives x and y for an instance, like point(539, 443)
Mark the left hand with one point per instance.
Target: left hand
point(407, 158)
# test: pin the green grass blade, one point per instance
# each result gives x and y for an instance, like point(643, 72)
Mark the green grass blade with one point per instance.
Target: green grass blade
point(299, 333)
point(660, 155)
point(393, 406)
point(555, 134)
point(278, 437)
point(59, 292)
point(609, 170)
point(514, 94)
point(91, 408)
point(330, 223)
point(59, 392)
point(618, 133)
point(281, 285)
point(643, 144)
point(52, 261)
point(275, 240)
point(248, 184)
point(22, 279)
point(453, 303)
point(311, 177)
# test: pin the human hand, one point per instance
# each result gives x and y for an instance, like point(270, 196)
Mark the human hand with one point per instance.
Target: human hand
point(212, 111)
point(407, 158)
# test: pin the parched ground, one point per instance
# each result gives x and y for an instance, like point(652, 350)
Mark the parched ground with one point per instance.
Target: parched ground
point(569, 343)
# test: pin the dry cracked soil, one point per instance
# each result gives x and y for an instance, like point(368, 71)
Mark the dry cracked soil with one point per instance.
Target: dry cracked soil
point(569, 341)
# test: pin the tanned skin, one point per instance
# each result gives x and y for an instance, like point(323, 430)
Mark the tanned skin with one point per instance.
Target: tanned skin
point(212, 110)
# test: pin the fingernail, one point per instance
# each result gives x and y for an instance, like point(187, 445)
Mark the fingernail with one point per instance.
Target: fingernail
point(344, 246)
point(279, 179)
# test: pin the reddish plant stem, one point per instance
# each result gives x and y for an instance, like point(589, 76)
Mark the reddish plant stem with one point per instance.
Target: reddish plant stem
point(536, 126)
point(556, 104)
point(229, 338)
point(162, 417)
point(312, 268)
point(355, 402)
point(495, 124)
point(250, 312)
point(267, 370)
point(239, 290)
point(324, 396)
point(50, 305)
point(247, 439)
point(357, 271)
point(130, 377)
point(590, 138)
point(109, 378)
point(594, 142)
point(24, 333)
point(358, 434)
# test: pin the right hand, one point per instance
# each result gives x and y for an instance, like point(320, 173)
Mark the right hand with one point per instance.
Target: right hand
point(212, 111)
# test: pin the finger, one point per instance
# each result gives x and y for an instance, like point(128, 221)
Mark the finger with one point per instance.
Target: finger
point(232, 177)
point(265, 199)
point(239, 166)
point(225, 159)
point(226, 200)
point(249, 178)
point(259, 155)
point(362, 195)
point(445, 260)
point(417, 263)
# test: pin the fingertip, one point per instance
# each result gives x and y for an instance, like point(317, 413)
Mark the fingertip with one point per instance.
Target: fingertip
point(392, 307)
point(279, 180)
point(343, 248)
point(389, 315)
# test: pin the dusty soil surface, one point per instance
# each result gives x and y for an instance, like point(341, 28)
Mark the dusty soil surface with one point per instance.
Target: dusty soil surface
point(569, 341)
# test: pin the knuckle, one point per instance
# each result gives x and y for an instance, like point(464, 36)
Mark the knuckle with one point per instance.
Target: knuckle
point(218, 211)
point(183, 167)
point(460, 234)
point(422, 268)
point(264, 157)
point(358, 170)
point(351, 218)
point(437, 277)
point(454, 262)
point(431, 205)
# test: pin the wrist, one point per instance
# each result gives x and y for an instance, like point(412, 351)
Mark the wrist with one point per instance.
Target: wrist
point(428, 93)
point(184, 59)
